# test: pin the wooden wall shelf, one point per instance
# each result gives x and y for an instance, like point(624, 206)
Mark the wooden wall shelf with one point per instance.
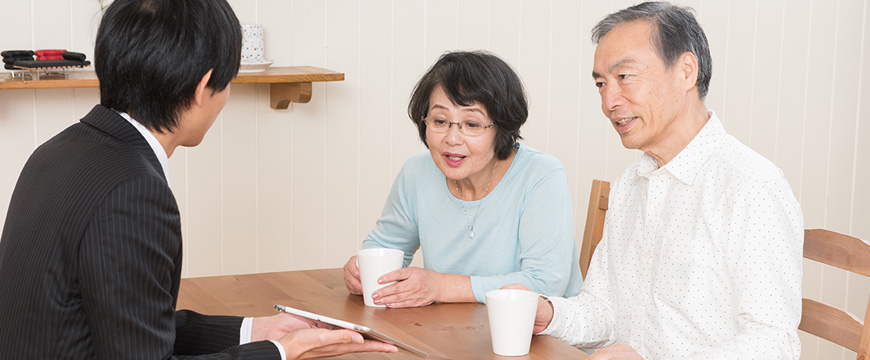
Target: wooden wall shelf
point(288, 84)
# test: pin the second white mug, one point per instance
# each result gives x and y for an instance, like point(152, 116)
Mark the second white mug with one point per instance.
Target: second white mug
point(511, 320)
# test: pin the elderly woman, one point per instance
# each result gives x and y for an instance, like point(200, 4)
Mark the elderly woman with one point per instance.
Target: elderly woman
point(486, 210)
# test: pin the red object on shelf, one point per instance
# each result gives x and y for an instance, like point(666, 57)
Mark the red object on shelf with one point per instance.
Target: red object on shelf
point(50, 52)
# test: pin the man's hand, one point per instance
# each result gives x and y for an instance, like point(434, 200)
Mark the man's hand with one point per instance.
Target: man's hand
point(415, 287)
point(351, 277)
point(615, 352)
point(276, 326)
point(318, 343)
point(544, 314)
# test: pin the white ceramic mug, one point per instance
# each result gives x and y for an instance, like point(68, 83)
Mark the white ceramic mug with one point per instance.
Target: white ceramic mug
point(373, 263)
point(253, 44)
point(511, 320)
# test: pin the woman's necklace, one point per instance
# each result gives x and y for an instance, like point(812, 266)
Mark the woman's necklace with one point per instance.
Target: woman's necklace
point(485, 191)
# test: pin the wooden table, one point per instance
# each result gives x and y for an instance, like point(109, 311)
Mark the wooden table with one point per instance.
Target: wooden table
point(445, 331)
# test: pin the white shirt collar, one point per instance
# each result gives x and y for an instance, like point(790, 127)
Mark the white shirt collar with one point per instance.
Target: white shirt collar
point(155, 145)
point(689, 161)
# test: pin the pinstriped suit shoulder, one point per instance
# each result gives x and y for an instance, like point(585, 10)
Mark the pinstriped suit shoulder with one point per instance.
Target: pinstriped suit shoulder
point(90, 256)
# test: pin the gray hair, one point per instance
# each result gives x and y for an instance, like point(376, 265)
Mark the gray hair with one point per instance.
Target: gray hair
point(676, 32)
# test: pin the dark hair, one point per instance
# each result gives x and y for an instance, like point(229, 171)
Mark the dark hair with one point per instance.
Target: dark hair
point(676, 32)
point(150, 55)
point(475, 76)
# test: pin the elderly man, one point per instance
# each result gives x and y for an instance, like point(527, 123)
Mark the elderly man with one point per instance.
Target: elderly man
point(701, 256)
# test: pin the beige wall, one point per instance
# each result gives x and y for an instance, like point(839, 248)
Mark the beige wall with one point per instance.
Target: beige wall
point(297, 189)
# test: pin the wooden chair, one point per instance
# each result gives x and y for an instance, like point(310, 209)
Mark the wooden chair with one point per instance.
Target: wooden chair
point(594, 222)
point(828, 322)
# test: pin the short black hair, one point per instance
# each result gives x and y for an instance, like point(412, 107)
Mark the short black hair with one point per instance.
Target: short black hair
point(150, 55)
point(475, 76)
point(676, 32)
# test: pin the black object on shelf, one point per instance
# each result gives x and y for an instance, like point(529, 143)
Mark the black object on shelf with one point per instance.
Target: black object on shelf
point(50, 64)
point(23, 60)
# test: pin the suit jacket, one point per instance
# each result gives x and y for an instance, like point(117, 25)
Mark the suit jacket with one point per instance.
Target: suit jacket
point(90, 256)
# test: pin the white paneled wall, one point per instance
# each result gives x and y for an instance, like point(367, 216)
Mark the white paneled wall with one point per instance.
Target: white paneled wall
point(272, 190)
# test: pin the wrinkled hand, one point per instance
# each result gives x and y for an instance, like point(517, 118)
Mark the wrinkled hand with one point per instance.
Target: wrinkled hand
point(415, 287)
point(544, 314)
point(275, 326)
point(318, 343)
point(615, 352)
point(351, 277)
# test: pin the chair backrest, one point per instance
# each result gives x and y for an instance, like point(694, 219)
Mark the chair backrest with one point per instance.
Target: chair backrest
point(828, 322)
point(594, 222)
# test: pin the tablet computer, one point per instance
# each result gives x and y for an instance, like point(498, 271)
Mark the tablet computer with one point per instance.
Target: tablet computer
point(366, 331)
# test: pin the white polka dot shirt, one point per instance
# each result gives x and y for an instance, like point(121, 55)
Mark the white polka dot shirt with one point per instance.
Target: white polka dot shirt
point(701, 259)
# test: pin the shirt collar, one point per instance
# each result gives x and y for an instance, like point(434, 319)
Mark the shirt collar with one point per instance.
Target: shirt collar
point(152, 140)
point(687, 164)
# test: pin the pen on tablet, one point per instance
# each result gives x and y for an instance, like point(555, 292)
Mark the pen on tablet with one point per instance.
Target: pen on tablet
point(320, 318)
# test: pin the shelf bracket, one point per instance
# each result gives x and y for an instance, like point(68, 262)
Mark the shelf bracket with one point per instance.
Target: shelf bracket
point(282, 94)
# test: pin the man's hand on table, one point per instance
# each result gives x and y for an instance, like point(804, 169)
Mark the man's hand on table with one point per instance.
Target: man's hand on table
point(544, 314)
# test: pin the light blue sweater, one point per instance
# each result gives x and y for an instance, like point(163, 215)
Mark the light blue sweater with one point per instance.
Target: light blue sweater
point(524, 231)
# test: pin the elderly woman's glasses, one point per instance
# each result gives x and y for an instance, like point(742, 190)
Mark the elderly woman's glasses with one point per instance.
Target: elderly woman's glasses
point(468, 127)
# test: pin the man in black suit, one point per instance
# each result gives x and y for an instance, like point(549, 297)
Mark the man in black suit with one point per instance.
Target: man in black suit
point(90, 255)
